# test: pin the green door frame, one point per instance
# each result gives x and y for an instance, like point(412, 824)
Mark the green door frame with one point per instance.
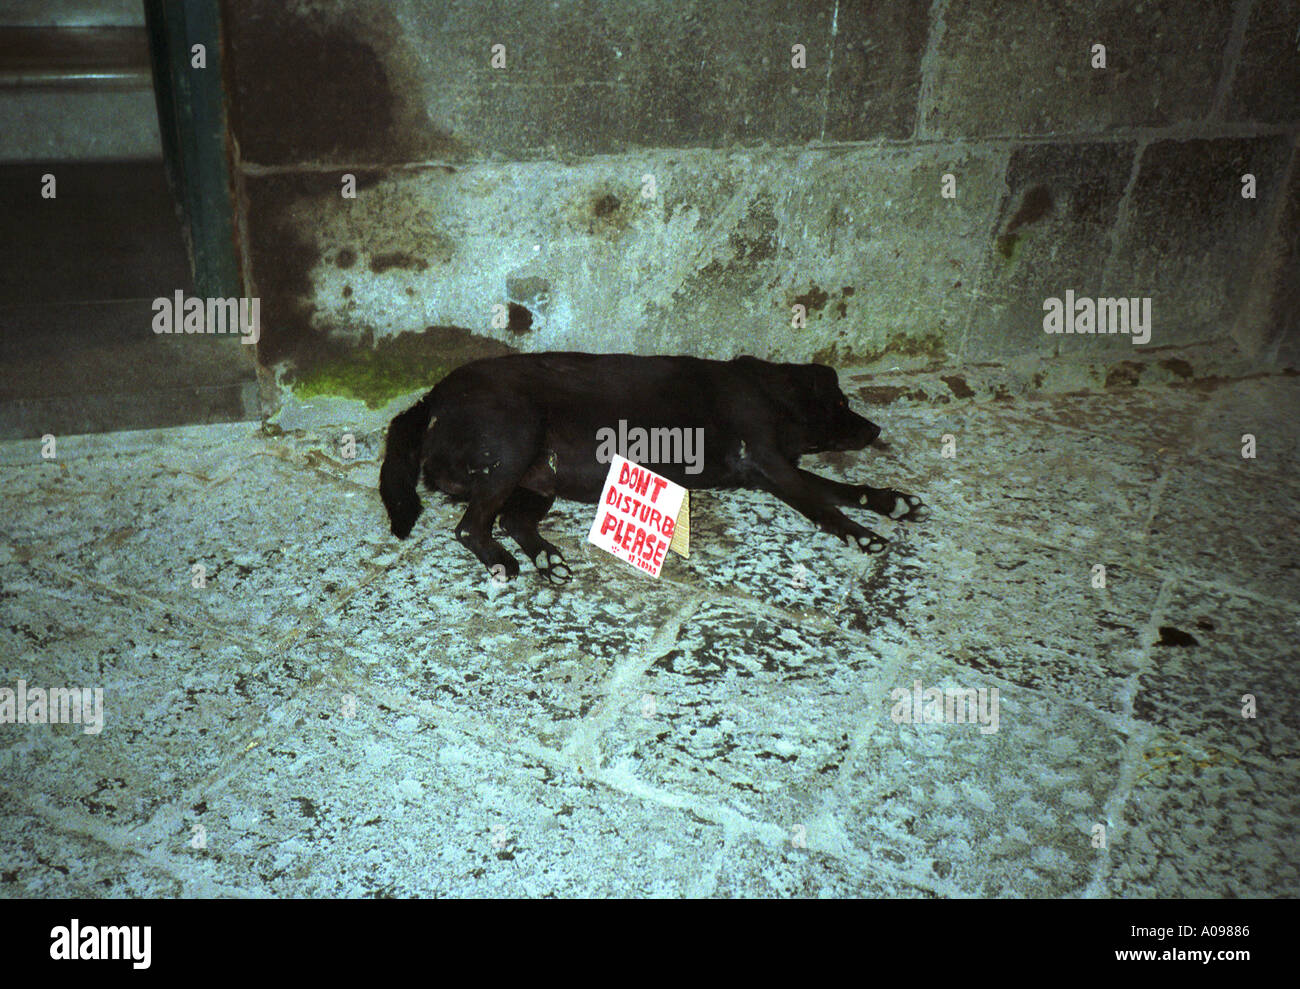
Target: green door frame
point(197, 146)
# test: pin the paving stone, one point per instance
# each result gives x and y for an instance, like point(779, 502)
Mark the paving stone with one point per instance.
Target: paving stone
point(1212, 650)
point(1207, 826)
point(1231, 527)
point(972, 811)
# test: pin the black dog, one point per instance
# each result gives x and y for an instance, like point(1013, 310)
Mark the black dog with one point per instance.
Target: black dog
point(510, 434)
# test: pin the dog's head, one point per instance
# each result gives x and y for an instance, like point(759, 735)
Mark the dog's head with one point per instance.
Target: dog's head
point(828, 421)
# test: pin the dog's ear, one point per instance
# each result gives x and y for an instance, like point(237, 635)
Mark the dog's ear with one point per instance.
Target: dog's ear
point(400, 473)
point(818, 380)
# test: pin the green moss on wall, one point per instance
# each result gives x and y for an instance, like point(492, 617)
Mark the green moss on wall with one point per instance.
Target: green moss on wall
point(393, 367)
point(367, 376)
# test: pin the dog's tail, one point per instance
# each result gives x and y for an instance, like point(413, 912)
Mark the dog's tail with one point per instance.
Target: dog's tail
point(400, 473)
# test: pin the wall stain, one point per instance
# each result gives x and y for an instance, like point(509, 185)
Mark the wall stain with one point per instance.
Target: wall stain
point(605, 205)
point(1123, 374)
point(283, 255)
point(1170, 636)
point(881, 394)
point(1036, 204)
point(957, 384)
point(927, 345)
point(754, 238)
point(520, 320)
point(742, 267)
point(601, 213)
point(813, 300)
point(379, 263)
point(281, 258)
point(357, 107)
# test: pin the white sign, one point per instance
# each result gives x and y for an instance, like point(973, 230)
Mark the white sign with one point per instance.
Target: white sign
point(637, 515)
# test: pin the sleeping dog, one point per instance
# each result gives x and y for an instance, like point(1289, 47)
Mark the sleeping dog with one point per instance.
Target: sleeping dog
point(511, 434)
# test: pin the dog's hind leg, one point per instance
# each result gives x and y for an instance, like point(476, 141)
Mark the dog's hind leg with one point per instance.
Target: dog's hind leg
point(897, 505)
point(519, 518)
point(475, 528)
point(492, 453)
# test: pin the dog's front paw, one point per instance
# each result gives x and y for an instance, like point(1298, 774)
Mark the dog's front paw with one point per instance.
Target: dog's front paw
point(867, 541)
point(909, 508)
point(552, 566)
point(897, 505)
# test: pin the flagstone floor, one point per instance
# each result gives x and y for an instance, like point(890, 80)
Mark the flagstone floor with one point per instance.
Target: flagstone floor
point(335, 713)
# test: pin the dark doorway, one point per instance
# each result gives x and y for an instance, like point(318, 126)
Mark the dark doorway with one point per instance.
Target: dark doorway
point(81, 269)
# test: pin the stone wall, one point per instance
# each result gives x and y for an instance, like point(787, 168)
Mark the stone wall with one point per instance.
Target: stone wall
point(659, 177)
